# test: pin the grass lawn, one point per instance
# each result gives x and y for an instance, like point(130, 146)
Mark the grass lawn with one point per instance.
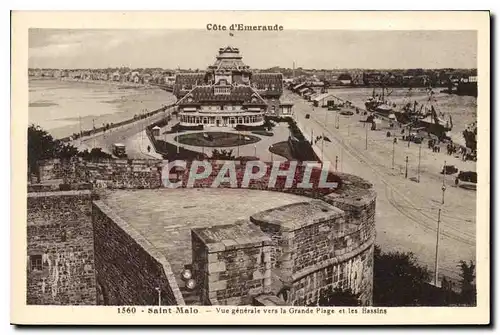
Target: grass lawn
point(282, 149)
point(216, 139)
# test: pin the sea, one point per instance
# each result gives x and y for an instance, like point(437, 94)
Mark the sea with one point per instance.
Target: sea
point(66, 107)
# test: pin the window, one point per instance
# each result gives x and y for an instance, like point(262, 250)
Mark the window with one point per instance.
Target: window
point(36, 263)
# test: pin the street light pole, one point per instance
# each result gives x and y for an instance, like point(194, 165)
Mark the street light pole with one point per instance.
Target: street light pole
point(393, 149)
point(406, 168)
point(409, 131)
point(436, 265)
point(255, 150)
point(336, 162)
point(443, 188)
point(418, 167)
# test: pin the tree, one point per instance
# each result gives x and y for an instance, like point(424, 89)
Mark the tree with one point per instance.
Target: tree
point(337, 297)
point(468, 277)
point(41, 145)
point(397, 279)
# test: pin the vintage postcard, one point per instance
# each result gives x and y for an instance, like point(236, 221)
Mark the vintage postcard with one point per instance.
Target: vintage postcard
point(250, 168)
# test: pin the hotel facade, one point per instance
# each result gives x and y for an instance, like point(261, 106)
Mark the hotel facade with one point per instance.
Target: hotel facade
point(229, 93)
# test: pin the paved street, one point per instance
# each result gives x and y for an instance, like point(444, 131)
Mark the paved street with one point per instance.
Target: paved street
point(406, 210)
point(132, 135)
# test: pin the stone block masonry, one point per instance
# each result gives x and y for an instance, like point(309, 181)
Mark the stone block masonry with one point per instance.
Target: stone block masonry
point(60, 257)
point(130, 270)
point(323, 243)
point(231, 263)
point(111, 174)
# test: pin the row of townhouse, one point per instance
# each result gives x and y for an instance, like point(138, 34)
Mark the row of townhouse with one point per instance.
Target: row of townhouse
point(137, 77)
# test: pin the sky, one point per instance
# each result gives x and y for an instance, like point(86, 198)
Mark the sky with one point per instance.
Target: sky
point(196, 49)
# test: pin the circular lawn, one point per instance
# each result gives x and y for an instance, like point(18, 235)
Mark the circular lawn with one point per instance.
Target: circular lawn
point(216, 139)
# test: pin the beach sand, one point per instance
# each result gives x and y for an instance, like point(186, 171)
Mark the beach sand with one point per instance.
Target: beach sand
point(66, 107)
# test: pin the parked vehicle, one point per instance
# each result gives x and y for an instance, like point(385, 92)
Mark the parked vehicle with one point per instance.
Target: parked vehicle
point(466, 176)
point(308, 116)
point(449, 169)
point(119, 150)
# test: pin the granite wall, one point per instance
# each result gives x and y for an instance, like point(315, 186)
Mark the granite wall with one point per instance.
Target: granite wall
point(331, 244)
point(112, 173)
point(231, 263)
point(129, 270)
point(60, 254)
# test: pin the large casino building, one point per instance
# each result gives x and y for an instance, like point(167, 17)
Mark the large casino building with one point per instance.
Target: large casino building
point(229, 94)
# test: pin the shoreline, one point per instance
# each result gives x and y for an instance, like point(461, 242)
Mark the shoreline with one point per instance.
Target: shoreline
point(124, 103)
point(97, 82)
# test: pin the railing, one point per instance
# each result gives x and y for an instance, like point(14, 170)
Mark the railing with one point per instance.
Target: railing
point(102, 129)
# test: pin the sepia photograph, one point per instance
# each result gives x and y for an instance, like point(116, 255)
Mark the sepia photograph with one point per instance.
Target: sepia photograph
point(253, 165)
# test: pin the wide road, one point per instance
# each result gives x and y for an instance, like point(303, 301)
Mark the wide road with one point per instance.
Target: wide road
point(132, 135)
point(407, 211)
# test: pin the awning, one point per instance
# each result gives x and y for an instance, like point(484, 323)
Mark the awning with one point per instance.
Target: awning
point(189, 109)
point(303, 89)
point(322, 96)
point(253, 109)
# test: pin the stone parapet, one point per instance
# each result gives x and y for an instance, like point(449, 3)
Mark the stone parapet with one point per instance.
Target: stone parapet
point(231, 263)
point(130, 270)
point(60, 249)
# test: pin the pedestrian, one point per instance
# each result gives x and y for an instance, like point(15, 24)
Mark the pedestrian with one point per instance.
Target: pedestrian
point(149, 148)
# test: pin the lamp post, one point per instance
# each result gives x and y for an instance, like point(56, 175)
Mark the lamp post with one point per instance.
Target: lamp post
point(393, 150)
point(255, 150)
point(443, 188)
point(436, 265)
point(336, 162)
point(418, 166)
point(409, 132)
point(406, 167)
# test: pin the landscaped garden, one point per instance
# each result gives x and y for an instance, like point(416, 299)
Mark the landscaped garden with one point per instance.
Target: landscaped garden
point(216, 139)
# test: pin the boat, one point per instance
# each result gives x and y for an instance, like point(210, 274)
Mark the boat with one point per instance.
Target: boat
point(378, 104)
point(425, 116)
